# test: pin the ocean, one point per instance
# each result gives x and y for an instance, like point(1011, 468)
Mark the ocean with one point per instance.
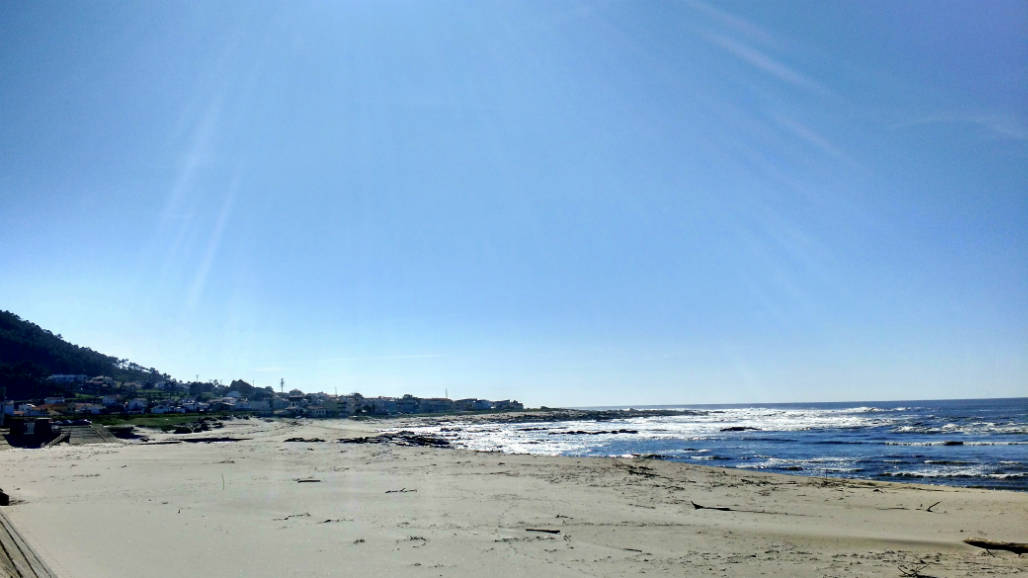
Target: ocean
point(981, 443)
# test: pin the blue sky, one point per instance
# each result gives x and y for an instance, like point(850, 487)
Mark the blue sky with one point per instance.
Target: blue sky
point(564, 203)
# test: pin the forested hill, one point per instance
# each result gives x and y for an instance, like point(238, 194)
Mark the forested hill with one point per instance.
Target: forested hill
point(29, 353)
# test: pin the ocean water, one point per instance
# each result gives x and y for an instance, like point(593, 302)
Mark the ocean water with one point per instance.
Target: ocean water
point(971, 442)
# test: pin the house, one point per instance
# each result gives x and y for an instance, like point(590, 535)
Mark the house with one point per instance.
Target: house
point(381, 405)
point(408, 404)
point(67, 378)
point(317, 411)
point(137, 404)
point(350, 404)
point(223, 404)
point(93, 408)
point(29, 409)
point(508, 405)
point(109, 400)
point(472, 404)
point(255, 405)
point(54, 400)
point(101, 381)
point(435, 405)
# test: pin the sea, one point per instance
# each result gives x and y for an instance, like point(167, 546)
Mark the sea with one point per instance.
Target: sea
point(979, 443)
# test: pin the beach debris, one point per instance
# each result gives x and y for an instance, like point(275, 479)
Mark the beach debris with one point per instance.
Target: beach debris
point(914, 570)
point(645, 471)
point(291, 516)
point(359, 541)
point(5, 500)
point(920, 508)
point(400, 491)
point(543, 530)
point(727, 509)
point(307, 440)
point(699, 507)
point(307, 480)
point(740, 428)
point(1015, 547)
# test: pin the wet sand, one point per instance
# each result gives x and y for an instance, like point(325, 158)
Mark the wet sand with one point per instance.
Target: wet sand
point(264, 506)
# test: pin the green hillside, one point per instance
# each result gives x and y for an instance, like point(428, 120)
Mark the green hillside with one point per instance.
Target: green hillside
point(29, 353)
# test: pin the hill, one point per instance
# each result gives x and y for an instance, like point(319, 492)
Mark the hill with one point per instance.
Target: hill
point(29, 354)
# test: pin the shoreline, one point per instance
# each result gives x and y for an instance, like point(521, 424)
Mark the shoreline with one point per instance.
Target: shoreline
point(265, 506)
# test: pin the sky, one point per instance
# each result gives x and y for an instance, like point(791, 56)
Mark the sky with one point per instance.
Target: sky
point(566, 203)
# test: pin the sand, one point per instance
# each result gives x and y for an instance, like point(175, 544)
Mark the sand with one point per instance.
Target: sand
point(242, 509)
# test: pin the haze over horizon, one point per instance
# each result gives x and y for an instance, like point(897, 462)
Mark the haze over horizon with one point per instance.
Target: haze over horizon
point(570, 204)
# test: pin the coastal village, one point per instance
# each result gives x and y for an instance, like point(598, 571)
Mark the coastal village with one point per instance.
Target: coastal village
point(102, 395)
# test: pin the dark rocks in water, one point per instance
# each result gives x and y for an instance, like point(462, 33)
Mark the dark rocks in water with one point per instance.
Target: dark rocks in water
point(952, 443)
point(651, 456)
point(740, 428)
point(307, 440)
point(549, 414)
point(403, 438)
point(593, 433)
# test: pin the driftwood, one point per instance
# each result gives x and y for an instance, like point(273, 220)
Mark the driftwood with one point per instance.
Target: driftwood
point(400, 491)
point(544, 530)
point(727, 509)
point(699, 507)
point(913, 571)
point(1015, 547)
point(307, 480)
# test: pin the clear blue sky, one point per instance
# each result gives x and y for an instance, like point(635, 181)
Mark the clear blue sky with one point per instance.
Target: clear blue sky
point(564, 203)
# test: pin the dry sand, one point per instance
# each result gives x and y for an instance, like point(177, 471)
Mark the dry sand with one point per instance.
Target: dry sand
point(238, 509)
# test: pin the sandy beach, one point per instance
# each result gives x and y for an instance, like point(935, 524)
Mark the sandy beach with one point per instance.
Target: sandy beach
point(265, 506)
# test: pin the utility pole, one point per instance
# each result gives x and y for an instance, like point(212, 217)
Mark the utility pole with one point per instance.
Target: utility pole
point(282, 385)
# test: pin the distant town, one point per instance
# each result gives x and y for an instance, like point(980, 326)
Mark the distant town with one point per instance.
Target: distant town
point(102, 395)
